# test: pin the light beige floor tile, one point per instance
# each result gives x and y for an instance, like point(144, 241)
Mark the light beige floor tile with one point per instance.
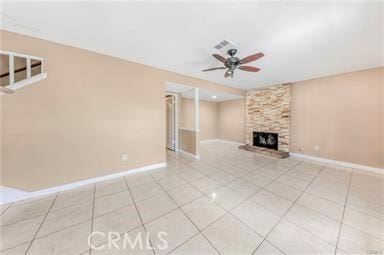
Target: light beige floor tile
point(111, 202)
point(192, 175)
point(196, 245)
point(230, 236)
point(267, 249)
point(110, 187)
point(320, 205)
point(19, 250)
point(155, 206)
point(226, 197)
point(244, 188)
point(24, 211)
point(18, 233)
point(125, 245)
point(258, 218)
point(146, 191)
point(177, 227)
point(159, 174)
point(73, 240)
point(203, 212)
point(208, 169)
point(134, 180)
point(172, 182)
point(269, 173)
point(293, 240)
point(365, 223)
point(307, 177)
point(73, 197)
point(293, 182)
point(334, 193)
point(206, 184)
point(319, 225)
point(120, 221)
point(66, 217)
point(184, 194)
point(257, 179)
point(356, 242)
point(236, 171)
point(284, 190)
point(272, 202)
point(222, 177)
point(367, 202)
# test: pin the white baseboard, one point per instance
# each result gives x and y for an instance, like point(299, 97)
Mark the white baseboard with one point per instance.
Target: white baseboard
point(219, 140)
point(8, 195)
point(231, 142)
point(190, 154)
point(339, 163)
point(209, 141)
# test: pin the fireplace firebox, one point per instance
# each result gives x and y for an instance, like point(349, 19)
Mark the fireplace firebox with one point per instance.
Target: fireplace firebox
point(266, 140)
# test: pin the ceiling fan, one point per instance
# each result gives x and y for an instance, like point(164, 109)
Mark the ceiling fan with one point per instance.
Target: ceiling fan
point(232, 63)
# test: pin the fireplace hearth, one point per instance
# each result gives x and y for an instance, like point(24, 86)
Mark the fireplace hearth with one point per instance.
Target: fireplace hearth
point(266, 140)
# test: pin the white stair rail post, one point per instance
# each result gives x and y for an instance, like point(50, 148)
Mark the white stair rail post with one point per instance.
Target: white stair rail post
point(11, 69)
point(28, 67)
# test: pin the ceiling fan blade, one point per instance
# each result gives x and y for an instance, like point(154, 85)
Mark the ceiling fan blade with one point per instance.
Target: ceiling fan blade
point(220, 58)
point(249, 68)
point(252, 58)
point(215, 68)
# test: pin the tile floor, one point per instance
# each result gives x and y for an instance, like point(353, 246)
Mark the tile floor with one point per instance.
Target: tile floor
point(229, 202)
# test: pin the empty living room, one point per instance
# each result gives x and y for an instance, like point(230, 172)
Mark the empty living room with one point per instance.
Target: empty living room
point(191, 127)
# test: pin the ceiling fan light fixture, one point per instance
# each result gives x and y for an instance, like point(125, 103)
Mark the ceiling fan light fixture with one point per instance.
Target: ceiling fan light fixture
point(214, 97)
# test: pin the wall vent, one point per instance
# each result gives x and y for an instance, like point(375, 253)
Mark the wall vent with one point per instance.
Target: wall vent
point(225, 45)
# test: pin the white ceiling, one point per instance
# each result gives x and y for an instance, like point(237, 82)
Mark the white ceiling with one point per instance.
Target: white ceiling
point(187, 91)
point(300, 40)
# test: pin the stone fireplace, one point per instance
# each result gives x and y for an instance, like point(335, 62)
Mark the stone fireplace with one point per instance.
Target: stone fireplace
point(267, 117)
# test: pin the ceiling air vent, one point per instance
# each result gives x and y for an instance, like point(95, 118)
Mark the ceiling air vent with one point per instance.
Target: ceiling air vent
point(225, 45)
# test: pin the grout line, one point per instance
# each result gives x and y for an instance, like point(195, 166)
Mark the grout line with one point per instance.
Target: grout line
point(345, 205)
point(138, 213)
point(41, 224)
point(198, 230)
point(282, 217)
point(10, 204)
point(93, 214)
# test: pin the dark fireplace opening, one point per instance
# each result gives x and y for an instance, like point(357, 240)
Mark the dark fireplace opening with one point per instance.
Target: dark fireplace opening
point(266, 140)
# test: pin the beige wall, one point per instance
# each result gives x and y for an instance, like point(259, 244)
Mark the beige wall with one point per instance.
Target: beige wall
point(232, 120)
point(209, 117)
point(188, 141)
point(343, 115)
point(75, 124)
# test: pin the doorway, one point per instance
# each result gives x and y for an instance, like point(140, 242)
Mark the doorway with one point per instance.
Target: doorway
point(170, 106)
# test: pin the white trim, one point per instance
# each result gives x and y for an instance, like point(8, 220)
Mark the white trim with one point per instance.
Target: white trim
point(29, 67)
point(340, 163)
point(189, 129)
point(26, 82)
point(177, 103)
point(190, 154)
point(197, 111)
point(231, 142)
point(209, 141)
point(8, 195)
point(11, 64)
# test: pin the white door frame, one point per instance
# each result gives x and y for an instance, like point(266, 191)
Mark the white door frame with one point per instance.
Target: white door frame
point(176, 117)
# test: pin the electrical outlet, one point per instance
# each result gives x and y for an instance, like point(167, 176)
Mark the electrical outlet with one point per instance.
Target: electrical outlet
point(124, 157)
point(317, 147)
